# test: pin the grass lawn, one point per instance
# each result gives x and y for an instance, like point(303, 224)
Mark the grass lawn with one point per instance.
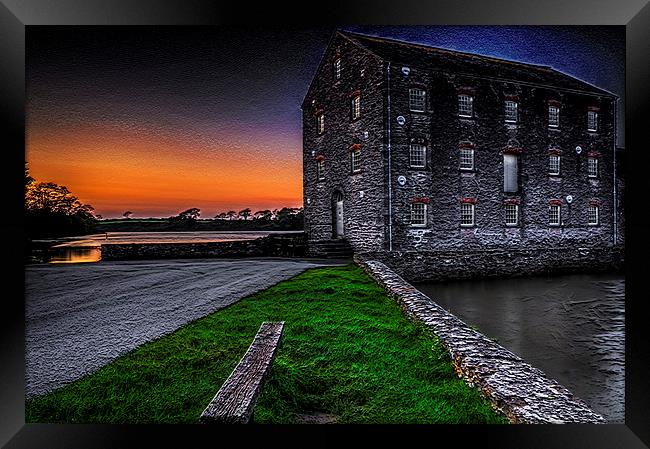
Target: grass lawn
point(347, 351)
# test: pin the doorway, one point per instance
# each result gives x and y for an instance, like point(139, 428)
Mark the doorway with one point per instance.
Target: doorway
point(337, 215)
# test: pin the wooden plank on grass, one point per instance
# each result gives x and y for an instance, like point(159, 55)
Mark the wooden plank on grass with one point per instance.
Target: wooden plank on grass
point(234, 402)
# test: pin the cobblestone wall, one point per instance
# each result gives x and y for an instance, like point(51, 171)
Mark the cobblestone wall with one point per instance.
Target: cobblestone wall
point(452, 264)
point(270, 246)
point(521, 392)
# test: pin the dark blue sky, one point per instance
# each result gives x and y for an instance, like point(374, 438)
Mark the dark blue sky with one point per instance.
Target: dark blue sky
point(160, 119)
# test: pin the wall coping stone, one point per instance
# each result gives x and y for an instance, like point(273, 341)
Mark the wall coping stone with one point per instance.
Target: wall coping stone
point(524, 394)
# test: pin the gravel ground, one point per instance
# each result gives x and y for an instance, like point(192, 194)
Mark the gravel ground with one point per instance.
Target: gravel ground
point(80, 317)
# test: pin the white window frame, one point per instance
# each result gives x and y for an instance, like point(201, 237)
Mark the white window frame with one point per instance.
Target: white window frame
point(464, 208)
point(320, 169)
point(415, 213)
point(419, 150)
point(592, 121)
point(596, 209)
point(355, 161)
point(337, 69)
point(553, 116)
point(465, 103)
point(464, 159)
point(510, 207)
point(554, 169)
point(417, 96)
point(320, 123)
point(592, 167)
point(554, 207)
point(511, 111)
point(356, 107)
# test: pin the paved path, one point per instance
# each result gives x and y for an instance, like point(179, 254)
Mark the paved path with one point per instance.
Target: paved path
point(80, 317)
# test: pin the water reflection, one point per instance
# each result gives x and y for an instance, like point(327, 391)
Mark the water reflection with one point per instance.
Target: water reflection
point(87, 248)
point(571, 327)
point(74, 254)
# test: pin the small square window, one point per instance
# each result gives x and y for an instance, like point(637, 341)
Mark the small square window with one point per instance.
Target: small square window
point(511, 111)
point(553, 116)
point(467, 159)
point(592, 121)
point(554, 215)
point(418, 214)
point(320, 169)
point(417, 99)
point(465, 105)
point(355, 161)
point(593, 215)
point(337, 69)
point(356, 107)
point(466, 214)
point(320, 123)
point(554, 165)
point(592, 167)
point(418, 155)
point(512, 214)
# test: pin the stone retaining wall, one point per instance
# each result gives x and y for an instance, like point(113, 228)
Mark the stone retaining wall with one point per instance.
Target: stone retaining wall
point(523, 393)
point(283, 245)
point(445, 265)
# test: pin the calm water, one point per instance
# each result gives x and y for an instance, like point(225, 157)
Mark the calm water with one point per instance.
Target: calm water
point(571, 327)
point(87, 248)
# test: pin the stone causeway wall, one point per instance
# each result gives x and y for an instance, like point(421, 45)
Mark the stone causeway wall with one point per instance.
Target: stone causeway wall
point(521, 392)
point(277, 245)
point(440, 265)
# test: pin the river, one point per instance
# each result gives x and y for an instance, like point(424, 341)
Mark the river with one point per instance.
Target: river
point(571, 327)
point(87, 248)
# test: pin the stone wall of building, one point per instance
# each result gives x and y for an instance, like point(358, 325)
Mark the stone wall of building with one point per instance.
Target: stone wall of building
point(363, 192)
point(442, 265)
point(443, 184)
point(377, 208)
point(278, 245)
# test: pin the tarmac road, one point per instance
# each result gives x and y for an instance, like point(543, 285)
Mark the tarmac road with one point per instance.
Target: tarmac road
point(80, 317)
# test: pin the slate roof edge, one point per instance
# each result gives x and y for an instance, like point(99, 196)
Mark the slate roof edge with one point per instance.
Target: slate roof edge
point(598, 91)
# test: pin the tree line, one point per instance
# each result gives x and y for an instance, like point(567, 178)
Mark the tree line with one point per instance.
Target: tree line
point(284, 218)
point(51, 210)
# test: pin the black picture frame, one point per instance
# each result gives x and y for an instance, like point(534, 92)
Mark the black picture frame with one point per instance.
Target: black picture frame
point(16, 14)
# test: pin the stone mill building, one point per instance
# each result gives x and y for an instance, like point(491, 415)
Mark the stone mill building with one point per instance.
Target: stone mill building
point(445, 164)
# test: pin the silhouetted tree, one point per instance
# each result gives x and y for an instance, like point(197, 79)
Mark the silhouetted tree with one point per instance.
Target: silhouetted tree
point(52, 211)
point(28, 178)
point(245, 213)
point(231, 214)
point(190, 214)
point(263, 215)
point(127, 214)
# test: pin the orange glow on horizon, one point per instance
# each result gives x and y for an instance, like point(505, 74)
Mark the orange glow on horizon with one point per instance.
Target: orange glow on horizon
point(156, 172)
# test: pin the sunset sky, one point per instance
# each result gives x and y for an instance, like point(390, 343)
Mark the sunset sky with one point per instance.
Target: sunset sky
point(156, 120)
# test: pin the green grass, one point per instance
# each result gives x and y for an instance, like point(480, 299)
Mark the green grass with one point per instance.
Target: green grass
point(347, 351)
